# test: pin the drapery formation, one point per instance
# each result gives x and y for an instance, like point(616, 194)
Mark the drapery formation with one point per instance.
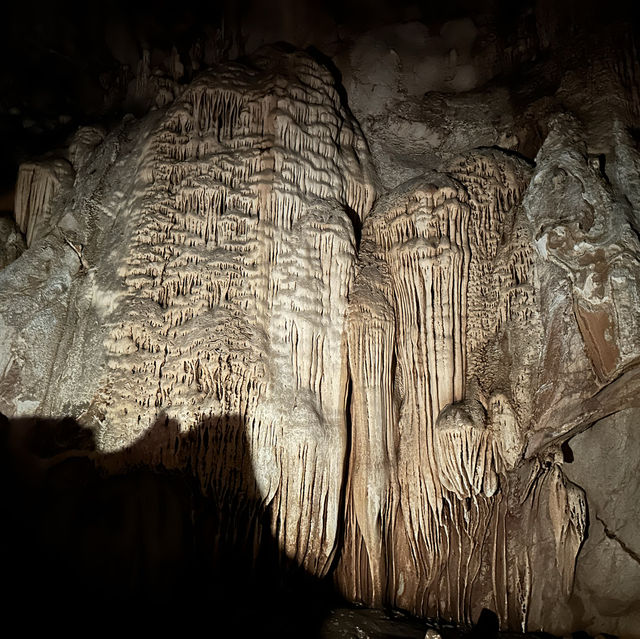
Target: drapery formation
point(228, 298)
point(438, 413)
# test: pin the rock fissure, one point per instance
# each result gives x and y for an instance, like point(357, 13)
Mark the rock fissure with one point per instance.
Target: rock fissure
point(611, 535)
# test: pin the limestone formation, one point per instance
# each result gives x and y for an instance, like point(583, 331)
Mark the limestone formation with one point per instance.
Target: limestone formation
point(456, 494)
point(378, 379)
point(37, 186)
point(223, 303)
point(442, 274)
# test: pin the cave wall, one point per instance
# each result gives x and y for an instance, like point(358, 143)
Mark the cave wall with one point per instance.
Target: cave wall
point(412, 323)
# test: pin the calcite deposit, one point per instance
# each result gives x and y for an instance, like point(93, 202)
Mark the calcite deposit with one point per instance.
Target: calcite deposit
point(371, 357)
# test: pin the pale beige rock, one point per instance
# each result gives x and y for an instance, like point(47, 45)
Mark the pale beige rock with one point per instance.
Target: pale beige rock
point(196, 292)
point(221, 281)
point(448, 508)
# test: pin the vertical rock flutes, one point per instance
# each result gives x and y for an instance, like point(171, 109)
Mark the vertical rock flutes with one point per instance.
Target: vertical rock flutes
point(431, 294)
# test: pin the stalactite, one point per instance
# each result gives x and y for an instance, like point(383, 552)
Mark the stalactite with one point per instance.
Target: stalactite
point(444, 276)
point(464, 450)
point(237, 277)
point(568, 514)
point(396, 406)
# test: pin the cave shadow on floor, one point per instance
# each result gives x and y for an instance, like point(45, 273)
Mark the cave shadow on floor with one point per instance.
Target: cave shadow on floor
point(99, 541)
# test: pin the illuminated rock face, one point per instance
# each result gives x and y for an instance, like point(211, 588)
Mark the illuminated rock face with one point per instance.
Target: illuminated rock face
point(470, 370)
point(443, 272)
point(236, 279)
point(382, 382)
point(37, 186)
point(220, 285)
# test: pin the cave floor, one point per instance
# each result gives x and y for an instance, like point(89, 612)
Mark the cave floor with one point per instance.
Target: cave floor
point(364, 623)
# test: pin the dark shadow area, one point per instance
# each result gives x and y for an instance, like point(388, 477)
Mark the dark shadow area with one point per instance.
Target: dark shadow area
point(567, 453)
point(91, 540)
point(487, 626)
point(513, 154)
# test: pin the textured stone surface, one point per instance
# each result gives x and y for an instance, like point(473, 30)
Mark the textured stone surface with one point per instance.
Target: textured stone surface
point(12, 243)
point(607, 588)
point(198, 276)
point(366, 350)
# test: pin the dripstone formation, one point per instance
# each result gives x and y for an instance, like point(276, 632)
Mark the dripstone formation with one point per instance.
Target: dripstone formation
point(225, 288)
